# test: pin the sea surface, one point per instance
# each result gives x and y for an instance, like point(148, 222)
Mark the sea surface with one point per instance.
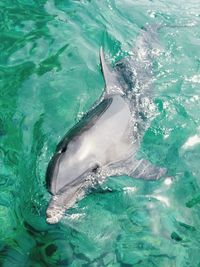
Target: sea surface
point(50, 76)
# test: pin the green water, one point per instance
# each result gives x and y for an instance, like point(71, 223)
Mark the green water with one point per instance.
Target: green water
point(50, 75)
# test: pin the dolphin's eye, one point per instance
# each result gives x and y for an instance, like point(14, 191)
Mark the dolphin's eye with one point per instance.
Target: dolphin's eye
point(63, 149)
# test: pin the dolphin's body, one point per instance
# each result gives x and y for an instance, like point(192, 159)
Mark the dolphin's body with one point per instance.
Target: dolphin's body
point(106, 140)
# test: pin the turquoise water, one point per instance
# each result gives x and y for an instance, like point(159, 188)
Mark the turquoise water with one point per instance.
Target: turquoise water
point(50, 76)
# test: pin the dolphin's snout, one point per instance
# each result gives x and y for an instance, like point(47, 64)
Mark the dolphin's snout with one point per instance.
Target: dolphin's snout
point(62, 202)
point(53, 216)
point(55, 211)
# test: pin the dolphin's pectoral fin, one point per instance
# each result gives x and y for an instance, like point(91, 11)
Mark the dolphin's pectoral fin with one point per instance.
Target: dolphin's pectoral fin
point(145, 170)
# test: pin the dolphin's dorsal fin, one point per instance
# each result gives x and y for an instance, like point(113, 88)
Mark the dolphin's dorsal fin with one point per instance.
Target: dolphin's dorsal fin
point(110, 77)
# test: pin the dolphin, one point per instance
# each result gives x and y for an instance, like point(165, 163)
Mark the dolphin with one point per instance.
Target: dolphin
point(106, 140)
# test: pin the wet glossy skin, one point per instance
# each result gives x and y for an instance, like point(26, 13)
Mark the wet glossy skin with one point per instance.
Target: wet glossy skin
point(105, 142)
point(107, 138)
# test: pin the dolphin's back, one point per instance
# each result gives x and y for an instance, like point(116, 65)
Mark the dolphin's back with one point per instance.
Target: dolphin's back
point(85, 122)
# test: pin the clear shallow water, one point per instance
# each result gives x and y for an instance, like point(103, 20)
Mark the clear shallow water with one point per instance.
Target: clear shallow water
point(50, 75)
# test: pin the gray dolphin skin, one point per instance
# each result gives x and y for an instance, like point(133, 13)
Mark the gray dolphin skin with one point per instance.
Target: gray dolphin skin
point(106, 140)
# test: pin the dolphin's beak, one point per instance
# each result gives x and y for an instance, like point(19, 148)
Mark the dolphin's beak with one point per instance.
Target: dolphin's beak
point(55, 210)
point(60, 203)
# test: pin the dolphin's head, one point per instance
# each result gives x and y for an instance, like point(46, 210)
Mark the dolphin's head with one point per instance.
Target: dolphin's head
point(70, 166)
point(66, 178)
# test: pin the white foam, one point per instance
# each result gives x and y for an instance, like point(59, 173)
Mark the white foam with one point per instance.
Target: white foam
point(194, 79)
point(164, 200)
point(130, 189)
point(191, 142)
point(168, 181)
